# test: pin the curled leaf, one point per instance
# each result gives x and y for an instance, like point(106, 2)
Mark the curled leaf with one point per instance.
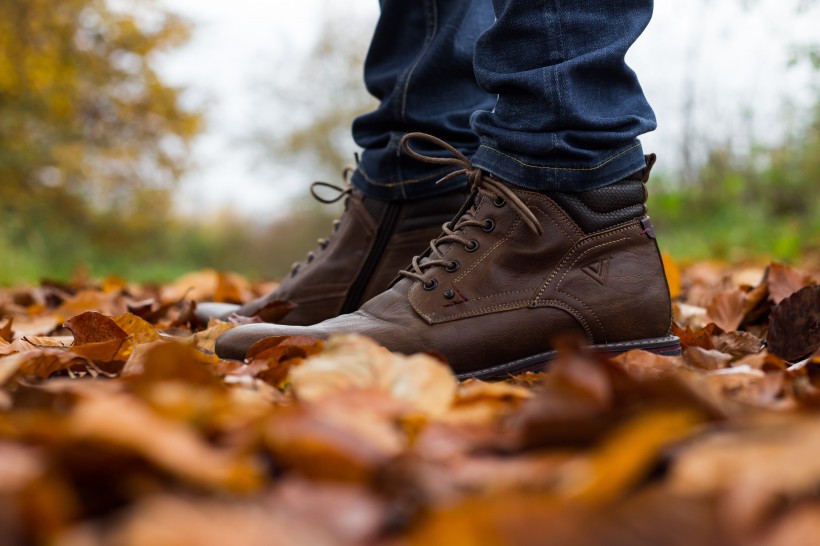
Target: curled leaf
point(794, 325)
point(93, 327)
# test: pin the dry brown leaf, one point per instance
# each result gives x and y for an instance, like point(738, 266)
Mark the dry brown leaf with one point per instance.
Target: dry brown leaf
point(102, 351)
point(794, 325)
point(206, 339)
point(138, 330)
point(167, 520)
point(785, 281)
point(90, 300)
point(33, 325)
point(21, 466)
point(696, 338)
point(123, 422)
point(45, 342)
point(751, 468)
point(353, 362)
point(646, 365)
point(198, 286)
point(626, 456)
point(473, 390)
point(171, 360)
point(344, 436)
point(6, 333)
point(40, 363)
point(673, 275)
point(19, 345)
point(93, 327)
point(738, 343)
point(726, 309)
point(706, 359)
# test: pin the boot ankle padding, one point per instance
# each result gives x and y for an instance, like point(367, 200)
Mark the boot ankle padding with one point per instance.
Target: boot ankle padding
point(604, 207)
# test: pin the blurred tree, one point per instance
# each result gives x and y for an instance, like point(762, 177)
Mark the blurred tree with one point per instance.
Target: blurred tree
point(309, 124)
point(91, 139)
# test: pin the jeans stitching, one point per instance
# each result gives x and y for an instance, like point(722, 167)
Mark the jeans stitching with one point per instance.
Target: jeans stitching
point(546, 167)
point(436, 175)
point(432, 28)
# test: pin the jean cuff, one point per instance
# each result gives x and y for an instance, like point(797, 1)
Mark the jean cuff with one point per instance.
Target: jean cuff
point(602, 170)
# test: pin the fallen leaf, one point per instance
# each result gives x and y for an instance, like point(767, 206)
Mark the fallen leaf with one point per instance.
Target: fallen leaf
point(6, 333)
point(228, 289)
point(706, 359)
point(785, 281)
point(122, 421)
point(206, 339)
point(738, 343)
point(93, 327)
point(137, 329)
point(646, 365)
point(89, 300)
point(101, 351)
point(794, 325)
point(625, 456)
point(171, 360)
point(35, 325)
point(345, 436)
point(696, 338)
point(726, 309)
point(673, 275)
point(353, 362)
point(40, 363)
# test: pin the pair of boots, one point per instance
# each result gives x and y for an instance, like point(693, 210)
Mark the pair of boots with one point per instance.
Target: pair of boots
point(496, 285)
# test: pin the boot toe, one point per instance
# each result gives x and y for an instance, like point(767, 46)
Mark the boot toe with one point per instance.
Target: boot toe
point(234, 344)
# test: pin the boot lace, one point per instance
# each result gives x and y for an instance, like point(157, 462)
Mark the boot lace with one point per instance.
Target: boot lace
point(480, 184)
point(341, 193)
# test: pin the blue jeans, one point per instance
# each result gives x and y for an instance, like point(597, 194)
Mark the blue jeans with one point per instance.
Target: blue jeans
point(537, 93)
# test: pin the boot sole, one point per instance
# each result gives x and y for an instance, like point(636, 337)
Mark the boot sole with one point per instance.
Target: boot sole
point(664, 346)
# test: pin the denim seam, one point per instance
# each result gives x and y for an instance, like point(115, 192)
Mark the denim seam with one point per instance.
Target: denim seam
point(432, 28)
point(438, 174)
point(595, 168)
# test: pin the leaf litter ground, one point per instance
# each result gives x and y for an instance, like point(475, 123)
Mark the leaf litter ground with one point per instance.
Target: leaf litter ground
point(119, 425)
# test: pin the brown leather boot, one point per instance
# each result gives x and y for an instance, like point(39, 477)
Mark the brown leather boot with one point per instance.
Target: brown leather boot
point(513, 271)
point(370, 242)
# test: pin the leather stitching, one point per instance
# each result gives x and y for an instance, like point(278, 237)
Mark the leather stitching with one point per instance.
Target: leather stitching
point(569, 254)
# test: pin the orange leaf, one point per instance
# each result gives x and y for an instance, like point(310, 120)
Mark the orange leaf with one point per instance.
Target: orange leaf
point(5, 329)
point(673, 275)
point(93, 327)
point(727, 309)
point(785, 281)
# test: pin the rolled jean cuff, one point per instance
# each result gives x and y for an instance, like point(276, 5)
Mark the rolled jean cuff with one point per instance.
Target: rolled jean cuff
point(602, 170)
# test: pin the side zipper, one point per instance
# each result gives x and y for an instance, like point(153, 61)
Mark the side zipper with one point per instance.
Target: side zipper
point(387, 225)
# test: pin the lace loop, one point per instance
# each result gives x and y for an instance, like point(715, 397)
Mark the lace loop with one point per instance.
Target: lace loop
point(481, 184)
point(342, 192)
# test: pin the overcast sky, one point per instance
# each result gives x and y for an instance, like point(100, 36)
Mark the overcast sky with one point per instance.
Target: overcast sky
point(736, 59)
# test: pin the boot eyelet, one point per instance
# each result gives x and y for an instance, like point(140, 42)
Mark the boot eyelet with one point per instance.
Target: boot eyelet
point(450, 294)
point(430, 285)
point(489, 225)
point(499, 202)
point(453, 267)
point(472, 246)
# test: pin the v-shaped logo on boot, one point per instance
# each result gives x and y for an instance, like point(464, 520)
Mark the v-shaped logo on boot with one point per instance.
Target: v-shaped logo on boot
point(598, 271)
